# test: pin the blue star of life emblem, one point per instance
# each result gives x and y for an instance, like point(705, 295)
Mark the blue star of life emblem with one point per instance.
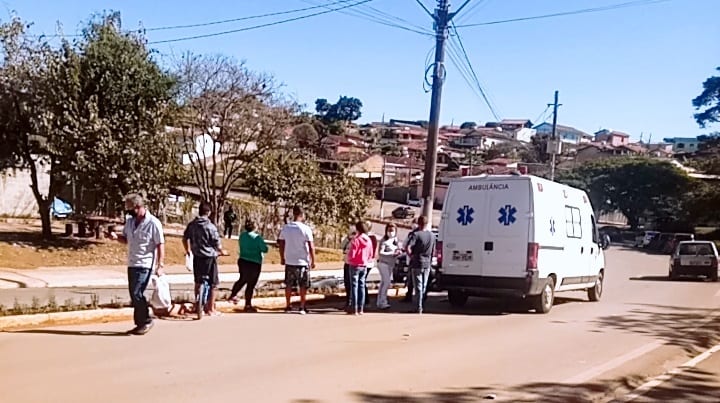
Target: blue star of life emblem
point(507, 215)
point(465, 215)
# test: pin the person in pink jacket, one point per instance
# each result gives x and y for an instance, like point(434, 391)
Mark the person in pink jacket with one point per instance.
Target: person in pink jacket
point(360, 254)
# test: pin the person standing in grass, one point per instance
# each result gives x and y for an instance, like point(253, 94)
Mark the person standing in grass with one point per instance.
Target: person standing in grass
point(252, 251)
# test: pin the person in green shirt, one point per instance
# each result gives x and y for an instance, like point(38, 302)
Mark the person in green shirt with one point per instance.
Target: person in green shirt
point(252, 251)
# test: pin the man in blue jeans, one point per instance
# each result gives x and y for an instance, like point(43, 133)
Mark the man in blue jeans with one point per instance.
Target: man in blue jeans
point(420, 246)
point(143, 234)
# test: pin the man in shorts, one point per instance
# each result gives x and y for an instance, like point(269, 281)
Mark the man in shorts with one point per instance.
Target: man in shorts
point(202, 237)
point(297, 254)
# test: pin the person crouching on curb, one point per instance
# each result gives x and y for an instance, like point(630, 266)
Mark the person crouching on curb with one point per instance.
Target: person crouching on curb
point(389, 251)
point(252, 251)
point(202, 236)
point(360, 254)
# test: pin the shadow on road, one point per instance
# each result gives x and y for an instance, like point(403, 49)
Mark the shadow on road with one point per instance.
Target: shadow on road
point(689, 328)
point(690, 386)
point(691, 279)
point(71, 332)
point(435, 305)
point(35, 240)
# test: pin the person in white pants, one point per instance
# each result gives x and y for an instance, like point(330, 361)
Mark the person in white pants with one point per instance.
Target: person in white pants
point(389, 248)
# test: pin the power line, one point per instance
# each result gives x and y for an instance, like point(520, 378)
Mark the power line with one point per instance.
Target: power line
point(566, 13)
point(232, 31)
point(219, 22)
point(372, 14)
point(473, 10)
point(474, 75)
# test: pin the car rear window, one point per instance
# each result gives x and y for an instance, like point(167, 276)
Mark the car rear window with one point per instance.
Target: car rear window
point(699, 249)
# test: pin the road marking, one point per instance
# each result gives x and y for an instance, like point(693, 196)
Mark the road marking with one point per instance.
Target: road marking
point(658, 380)
point(614, 363)
point(629, 356)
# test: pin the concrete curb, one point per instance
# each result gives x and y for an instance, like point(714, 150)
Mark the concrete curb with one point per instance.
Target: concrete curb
point(14, 322)
point(103, 315)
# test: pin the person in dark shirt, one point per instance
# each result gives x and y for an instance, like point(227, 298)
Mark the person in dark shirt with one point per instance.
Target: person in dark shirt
point(229, 219)
point(420, 247)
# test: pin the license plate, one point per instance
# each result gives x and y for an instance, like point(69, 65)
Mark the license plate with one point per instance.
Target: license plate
point(462, 256)
point(698, 262)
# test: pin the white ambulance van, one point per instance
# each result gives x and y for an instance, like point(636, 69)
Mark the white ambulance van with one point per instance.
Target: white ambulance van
point(518, 236)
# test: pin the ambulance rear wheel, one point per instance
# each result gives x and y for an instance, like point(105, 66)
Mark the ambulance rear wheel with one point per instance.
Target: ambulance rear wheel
point(543, 303)
point(457, 298)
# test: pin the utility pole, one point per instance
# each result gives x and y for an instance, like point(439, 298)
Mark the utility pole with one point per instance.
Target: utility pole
point(554, 150)
point(442, 19)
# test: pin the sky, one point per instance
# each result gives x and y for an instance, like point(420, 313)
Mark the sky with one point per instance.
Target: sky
point(633, 69)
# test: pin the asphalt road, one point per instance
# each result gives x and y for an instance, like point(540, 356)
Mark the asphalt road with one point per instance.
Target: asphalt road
point(580, 351)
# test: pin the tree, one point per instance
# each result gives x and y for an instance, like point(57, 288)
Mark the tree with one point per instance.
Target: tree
point(304, 136)
point(228, 116)
point(637, 187)
point(468, 125)
point(346, 110)
point(124, 96)
point(37, 126)
point(88, 111)
point(287, 179)
point(709, 99)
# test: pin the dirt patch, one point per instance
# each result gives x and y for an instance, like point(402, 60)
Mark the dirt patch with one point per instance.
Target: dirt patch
point(21, 247)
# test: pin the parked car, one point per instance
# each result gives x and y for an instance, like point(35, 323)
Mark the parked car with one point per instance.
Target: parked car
point(403, 213)
point(644, 238)
point(694, 258)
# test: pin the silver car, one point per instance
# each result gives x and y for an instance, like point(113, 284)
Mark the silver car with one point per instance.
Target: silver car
point(694, 258)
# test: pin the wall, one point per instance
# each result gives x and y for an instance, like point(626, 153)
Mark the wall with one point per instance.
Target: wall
point(17, 198)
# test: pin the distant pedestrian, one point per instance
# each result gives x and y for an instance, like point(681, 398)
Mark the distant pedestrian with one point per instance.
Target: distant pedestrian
point(389, 251)
point(345, 245)
point(229, 219)
point(297, 254)
point(143, 233)
point(202, 237)
point(252, 252)
point(360, 254)
point(420, 247)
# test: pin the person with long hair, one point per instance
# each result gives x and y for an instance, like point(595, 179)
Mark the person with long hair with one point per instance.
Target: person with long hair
point(360, 255)
point(252, 248)
point(389, 250)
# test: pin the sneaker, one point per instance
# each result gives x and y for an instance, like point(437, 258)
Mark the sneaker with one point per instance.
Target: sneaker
point(133, 330)
point(234, 300)
point(144, 329)
point(250, 309)
point(288, 309)
point(303, 311)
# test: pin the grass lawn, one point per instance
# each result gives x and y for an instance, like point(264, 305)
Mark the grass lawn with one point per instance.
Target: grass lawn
point(22, 248)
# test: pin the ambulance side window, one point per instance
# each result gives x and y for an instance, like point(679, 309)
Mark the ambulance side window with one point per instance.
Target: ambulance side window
point(595, 234)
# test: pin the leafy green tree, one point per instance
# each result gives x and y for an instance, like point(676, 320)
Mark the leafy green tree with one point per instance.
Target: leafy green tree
point(37, 126)
point(637, 187)
point(346, 110)
point(124, 96)
point(708, 102)
point(287, 179)
point(305, 137)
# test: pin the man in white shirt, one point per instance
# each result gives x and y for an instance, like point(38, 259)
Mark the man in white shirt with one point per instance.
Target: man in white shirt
point(297, 254)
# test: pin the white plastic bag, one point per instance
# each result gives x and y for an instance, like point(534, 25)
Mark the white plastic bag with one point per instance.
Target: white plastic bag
point(189, 262)
point(161, 298)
